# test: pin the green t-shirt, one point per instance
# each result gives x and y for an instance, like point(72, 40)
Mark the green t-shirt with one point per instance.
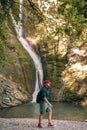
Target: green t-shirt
point(44, 92)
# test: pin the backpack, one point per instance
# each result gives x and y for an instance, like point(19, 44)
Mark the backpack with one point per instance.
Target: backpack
point(38, 98)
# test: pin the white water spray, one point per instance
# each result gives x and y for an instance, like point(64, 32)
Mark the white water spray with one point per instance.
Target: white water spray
point(28, 48)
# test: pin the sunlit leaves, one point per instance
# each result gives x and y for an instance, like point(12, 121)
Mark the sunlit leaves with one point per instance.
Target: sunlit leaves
point(74, 13)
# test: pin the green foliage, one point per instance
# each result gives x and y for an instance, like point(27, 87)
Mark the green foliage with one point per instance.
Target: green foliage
point(4, 6)
point(4, 13)
point(2, 56)
point(75, 16)
point(36, 11)
point(2, 34)
point(15, 9)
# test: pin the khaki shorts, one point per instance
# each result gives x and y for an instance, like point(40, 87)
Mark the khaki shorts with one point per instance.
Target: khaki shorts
point(44, 107)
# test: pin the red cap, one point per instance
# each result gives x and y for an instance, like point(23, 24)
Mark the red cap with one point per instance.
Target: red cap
point(46, 81)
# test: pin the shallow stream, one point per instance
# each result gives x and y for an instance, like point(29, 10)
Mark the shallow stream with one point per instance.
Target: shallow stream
point(61, 111)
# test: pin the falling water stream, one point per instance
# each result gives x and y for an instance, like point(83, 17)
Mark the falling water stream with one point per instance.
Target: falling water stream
point(37, 61)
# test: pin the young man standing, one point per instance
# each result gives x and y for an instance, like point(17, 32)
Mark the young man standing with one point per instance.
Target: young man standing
point(45, 105)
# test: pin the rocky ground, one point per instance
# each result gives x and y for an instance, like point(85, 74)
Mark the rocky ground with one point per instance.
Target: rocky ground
point(31, 124)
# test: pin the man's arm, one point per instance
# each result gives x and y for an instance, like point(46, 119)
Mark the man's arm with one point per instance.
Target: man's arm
point(46, 100)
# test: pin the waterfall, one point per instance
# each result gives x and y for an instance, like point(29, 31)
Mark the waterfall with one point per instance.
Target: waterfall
point(37, 61)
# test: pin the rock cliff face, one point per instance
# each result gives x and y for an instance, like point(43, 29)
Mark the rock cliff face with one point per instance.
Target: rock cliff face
point(11, 93)
point(17, 71)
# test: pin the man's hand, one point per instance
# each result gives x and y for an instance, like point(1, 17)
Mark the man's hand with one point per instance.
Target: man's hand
point(50, 105)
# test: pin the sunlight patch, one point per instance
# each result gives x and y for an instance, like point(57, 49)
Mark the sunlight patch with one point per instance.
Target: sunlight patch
point(55, 1)
point(79, 52)
point(78, 66)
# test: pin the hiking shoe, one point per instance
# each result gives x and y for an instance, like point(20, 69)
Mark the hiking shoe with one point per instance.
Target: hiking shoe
point(40, 125)
point(51, 125)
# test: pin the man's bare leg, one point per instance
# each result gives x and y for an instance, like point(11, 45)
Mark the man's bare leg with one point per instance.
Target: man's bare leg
point(49, 117)
point(40, 118)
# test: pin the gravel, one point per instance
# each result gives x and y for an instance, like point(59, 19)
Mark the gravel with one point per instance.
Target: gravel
point(31, 124)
